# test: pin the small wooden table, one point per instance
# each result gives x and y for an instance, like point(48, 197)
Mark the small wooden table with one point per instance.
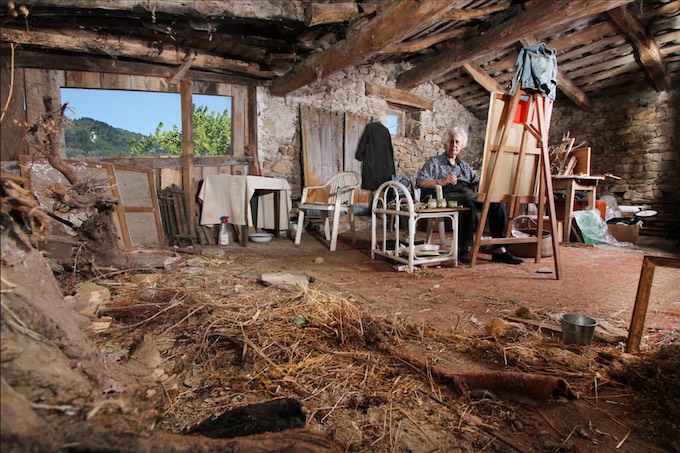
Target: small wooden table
point(236, 196)
point(571, 184)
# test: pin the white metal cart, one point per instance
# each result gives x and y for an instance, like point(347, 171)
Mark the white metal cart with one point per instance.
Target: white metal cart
point(393, 207)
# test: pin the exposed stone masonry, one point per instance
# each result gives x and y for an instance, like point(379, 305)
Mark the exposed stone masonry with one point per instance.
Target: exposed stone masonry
point(278, 121)
point(635, 136)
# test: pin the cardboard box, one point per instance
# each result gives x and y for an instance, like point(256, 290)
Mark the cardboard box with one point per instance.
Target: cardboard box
point(624, 233)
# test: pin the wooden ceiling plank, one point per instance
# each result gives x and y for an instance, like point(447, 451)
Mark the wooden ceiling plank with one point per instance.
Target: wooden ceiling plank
point(669, 8)
point(423, 43)
point(330, 13)
point(622, 67)
point(669, 50)
point(593, 47)
point(475, 13)
point(457, 87)
point(391, 25)
point(597, 82)
point(602, 57)
point(644, 45)
point(481, 77)
point(507, 63)
point(605, 66)
point(551, 14)
point(564, 83)
point(589, 34)
point(93, 43)
point(468, 87)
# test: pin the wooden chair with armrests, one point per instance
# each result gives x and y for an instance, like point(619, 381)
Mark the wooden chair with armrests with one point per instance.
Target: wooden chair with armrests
point(337, 196)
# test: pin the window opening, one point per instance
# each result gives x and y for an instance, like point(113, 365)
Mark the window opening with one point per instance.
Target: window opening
point(395, 121)
point(141, 123)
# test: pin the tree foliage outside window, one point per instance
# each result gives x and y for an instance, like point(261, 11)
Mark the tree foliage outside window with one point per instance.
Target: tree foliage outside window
point(107, 122)
point(212, 136)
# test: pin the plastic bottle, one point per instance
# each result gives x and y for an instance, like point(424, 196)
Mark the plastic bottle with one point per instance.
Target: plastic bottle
point(224, 238)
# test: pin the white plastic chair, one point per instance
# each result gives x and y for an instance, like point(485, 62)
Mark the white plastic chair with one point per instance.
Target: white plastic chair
point(340, 200)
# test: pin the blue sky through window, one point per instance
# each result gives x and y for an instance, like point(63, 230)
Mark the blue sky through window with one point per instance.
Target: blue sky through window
point(135, 111)
point(393, 123)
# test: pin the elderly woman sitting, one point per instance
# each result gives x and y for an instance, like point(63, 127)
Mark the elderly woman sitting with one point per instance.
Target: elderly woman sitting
point(459, 182)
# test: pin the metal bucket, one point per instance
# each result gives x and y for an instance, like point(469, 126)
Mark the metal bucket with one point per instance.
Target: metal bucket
point(578, 329)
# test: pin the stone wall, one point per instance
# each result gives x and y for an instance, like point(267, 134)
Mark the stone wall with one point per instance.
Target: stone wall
point(635, 136)
point(279, 130)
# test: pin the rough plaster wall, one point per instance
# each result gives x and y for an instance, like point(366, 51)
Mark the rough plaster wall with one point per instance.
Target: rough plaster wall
point(278, 120)
point(635, 136)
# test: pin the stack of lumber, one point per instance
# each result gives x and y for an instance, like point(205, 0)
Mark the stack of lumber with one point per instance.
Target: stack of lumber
point(562, 161)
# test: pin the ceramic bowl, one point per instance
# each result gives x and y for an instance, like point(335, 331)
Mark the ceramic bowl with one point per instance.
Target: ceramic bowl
point(260, 237)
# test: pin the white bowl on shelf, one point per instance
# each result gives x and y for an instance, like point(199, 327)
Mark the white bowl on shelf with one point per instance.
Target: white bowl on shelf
point(260, 237)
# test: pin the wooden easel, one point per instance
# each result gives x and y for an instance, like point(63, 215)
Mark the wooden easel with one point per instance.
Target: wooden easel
point(516, 167)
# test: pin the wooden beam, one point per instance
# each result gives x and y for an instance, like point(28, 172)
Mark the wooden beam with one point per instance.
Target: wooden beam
point(94, 43)
point(399, 97)
point(251, 149)
point(552, 14)
point(94, 63)
point(331, 13)
point(183, 68)
point(564, 83)
point(421, 44)
point(391, 25)
point(260, 9)
point(644, 45)
point(481, 77)
point(573, 92)
point(188, 151)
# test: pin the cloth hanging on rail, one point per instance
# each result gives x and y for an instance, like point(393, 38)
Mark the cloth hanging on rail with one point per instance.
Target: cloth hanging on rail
point(536, 70)
point(377, 156)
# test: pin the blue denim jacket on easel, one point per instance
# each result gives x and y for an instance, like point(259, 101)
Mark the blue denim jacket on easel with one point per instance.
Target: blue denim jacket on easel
point(536, 70)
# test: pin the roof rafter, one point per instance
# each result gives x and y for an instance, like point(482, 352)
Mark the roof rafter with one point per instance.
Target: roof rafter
point(644, 45)
point(550, 14)
point(397, 21)
point(481, 77)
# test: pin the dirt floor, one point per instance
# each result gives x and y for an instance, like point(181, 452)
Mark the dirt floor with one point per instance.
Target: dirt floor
point(598, 281)
point(383, 360)
point(335, 351)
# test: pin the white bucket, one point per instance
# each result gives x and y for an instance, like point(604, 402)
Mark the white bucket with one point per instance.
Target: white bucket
point(292, 229)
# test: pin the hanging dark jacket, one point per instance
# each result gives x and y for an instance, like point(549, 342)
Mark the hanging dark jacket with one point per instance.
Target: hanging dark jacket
point(377, 156)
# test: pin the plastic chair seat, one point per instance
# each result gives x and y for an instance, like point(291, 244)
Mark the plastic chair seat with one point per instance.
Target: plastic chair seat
point(341, 188)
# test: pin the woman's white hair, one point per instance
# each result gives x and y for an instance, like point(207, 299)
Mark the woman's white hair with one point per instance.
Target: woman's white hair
point(456, 130)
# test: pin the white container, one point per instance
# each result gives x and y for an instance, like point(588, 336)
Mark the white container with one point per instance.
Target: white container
point(292, 229)
point(260, 237)
point(225, 239)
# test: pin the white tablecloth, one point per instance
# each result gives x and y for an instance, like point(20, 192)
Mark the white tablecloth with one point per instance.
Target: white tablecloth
point(230, 195)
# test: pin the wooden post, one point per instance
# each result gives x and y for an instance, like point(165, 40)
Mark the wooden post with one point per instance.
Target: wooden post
point(188, 150)
point(251, 133)
point(637, 322)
